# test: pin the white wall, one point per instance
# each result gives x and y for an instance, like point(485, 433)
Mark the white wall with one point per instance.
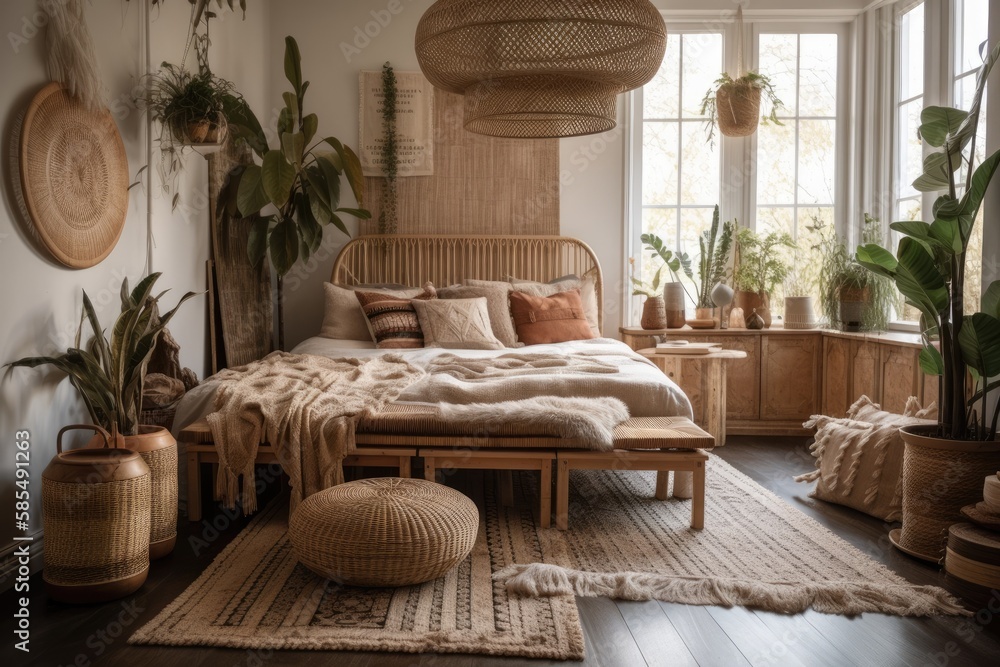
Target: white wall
point(41, 300)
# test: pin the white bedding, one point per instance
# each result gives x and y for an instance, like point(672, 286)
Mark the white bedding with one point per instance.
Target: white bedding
point(658, 397)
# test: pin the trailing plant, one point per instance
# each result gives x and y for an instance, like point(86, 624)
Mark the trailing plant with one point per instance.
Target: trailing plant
point(110, 373)
point(761, 263)
point(387, 219)
point(715, 245)
point(301, 182)
point(929, 269)
point(673, 262)
point(741, 87)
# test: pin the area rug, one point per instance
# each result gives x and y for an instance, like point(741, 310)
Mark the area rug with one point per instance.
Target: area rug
point(514, 594)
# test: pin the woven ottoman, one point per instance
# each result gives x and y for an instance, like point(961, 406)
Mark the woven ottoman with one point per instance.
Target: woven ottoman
point(386, 531)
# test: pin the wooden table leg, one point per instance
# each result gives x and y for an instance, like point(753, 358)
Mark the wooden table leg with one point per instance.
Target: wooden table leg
point(682, 485)
point(562, 495)
point(698, 499)
point(430, 471)
point(662, 483)
point(404, 467)
point(545, 491)
point(715, 399)
point(506, 480)
point(193, 487)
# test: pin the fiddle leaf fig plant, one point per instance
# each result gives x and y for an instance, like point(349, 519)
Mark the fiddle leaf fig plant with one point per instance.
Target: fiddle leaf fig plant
point(295, 191)
point(930, 263)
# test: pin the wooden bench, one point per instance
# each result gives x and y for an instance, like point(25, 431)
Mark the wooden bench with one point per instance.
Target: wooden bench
point(663, 444)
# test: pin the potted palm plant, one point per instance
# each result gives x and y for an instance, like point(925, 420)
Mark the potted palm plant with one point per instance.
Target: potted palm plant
point(715, 244)
point(109, 374)
point(944, 464)
point(760, 266)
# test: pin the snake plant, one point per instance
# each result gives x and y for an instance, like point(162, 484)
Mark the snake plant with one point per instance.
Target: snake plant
point(109, 373)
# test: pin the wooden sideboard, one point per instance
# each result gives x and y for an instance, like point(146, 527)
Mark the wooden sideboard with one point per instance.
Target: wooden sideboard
point(789, 375)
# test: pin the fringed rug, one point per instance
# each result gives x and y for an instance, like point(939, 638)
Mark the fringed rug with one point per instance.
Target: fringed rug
point(755, 551)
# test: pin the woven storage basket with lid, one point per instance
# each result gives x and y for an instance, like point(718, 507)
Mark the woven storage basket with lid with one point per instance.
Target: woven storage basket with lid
point(384, 532)
point(96, 515)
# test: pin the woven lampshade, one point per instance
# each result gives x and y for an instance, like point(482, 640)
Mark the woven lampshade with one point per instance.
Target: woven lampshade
point(534, 69)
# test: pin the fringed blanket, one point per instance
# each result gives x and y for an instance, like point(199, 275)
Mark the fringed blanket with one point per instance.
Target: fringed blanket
point(307, 408)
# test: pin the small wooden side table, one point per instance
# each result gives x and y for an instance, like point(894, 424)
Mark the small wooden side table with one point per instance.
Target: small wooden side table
point(713, 378)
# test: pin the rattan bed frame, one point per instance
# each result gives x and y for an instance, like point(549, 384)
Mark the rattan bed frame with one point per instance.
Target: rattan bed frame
point(400, 433)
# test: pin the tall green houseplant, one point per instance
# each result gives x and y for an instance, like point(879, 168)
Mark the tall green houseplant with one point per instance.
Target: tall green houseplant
point(296, 178)
point(930, 263)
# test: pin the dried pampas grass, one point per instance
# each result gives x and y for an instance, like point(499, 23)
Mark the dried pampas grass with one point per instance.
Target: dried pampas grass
point(71, 57)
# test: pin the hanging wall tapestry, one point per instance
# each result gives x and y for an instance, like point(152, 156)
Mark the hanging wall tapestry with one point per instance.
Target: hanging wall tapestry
point(414, 124)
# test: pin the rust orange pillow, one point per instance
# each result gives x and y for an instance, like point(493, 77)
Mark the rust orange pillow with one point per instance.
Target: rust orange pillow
point(549, 319)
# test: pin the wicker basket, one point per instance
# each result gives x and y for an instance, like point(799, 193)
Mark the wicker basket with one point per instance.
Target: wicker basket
point(96, 515)
point(159, 450)
point(384, 532)
point(654, 314)
point(737, 108)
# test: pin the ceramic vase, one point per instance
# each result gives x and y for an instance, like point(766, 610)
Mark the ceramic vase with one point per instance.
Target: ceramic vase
point(673, 300)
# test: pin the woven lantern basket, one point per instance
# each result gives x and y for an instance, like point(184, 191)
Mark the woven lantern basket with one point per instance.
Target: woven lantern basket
point(384, 532)
point(96, 514)
point(158, 450)
point(737, 109)
point(940, 477)
point(972, 563)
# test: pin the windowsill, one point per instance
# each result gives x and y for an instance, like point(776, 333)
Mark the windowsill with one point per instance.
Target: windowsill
point(906, 327)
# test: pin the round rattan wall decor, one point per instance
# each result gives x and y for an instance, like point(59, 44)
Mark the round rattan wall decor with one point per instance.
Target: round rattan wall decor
point(73, 176)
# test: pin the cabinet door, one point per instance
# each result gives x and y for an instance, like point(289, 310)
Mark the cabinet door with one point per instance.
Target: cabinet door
point(900, 378)
point(836, 390)
point(865, 370)
point(789, 377)
point(742, 376)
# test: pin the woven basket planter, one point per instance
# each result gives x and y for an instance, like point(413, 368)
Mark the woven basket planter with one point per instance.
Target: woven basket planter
point(939, 478)
point(159, 450)
point(384, 532)
point(96, 515)
point(737, 109)
point(654, 313)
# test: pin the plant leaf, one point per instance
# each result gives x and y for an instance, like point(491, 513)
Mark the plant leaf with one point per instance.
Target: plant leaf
point(283, 243)
point(251, 197)
point(930, 360)
point(936, 123)
point(360, 213)
point(292, 145)
point(991, 300)
point(979, 339)
point(310, 124)
point(309, 227)
point(257, 240)
point(293, 64)
point(332, 177)
point(277, 177)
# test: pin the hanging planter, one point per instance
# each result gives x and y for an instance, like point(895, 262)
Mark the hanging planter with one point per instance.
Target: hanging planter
point(734, 104)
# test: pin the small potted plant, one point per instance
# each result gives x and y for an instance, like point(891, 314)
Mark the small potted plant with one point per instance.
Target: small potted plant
point(735, 104)
point(658, 294)
point(190, 106)
point(760, 266)
point(715, 245)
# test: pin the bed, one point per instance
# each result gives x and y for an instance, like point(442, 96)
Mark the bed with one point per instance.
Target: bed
point(410, 424)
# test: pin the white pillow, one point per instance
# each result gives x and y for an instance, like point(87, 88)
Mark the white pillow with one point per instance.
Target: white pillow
point(456, 324)
point(343, 318)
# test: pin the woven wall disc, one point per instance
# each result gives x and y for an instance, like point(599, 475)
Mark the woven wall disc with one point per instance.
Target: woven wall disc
point(73, 176)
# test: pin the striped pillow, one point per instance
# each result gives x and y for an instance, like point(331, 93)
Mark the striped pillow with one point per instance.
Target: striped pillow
point(392, 320)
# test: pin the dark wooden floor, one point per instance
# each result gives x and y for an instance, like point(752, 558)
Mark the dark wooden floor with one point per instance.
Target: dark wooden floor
point(618, 634)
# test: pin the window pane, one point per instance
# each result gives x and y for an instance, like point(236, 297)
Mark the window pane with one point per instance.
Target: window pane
point(693, 222)
point(973, 25)
point(776, 219)
point(778, 58)
point(818, 76)
point(817, 161)
point(659, 163)
point(702, 54)
point(700, 162)
point(910, 209)
point(776, 164)
point(910, 148)
point(663, 223)
point(661, 95)
point(911, 65)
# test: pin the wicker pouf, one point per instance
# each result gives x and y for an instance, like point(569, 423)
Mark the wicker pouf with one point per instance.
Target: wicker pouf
point(384, 532)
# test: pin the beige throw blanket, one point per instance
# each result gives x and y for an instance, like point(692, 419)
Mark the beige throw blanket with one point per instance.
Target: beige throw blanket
point(306, 407)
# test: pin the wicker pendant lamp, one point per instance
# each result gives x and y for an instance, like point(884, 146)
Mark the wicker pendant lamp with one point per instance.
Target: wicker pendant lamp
point(540, 68)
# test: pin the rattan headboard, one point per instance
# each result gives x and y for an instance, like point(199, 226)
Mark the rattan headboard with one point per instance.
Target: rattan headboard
point(447, 260)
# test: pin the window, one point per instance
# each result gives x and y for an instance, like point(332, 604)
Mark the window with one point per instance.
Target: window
point(916, 87)
point(680, 169)
point(678, 176)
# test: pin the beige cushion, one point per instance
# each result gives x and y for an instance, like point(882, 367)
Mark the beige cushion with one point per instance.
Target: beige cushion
point(496, 305)
point(549, 319)
point(588, 294)
point(343, 318)
point(867, 410)
point(456, 324)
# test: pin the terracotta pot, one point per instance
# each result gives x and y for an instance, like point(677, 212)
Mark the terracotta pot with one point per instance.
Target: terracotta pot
point(96, 515)
point(673, 301)
point(759, 301)
point(940, 476)
point(654, 315)
point(159, 451)
point(708, 314)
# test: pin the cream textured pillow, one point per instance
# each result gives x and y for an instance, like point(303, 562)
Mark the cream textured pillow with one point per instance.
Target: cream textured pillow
point(456, 324)
point(588, 294)
point(343, 318)
point(497, 306)
point(858, 465)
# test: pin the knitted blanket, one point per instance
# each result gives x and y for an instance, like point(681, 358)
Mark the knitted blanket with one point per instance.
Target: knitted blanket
point(306, 407)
